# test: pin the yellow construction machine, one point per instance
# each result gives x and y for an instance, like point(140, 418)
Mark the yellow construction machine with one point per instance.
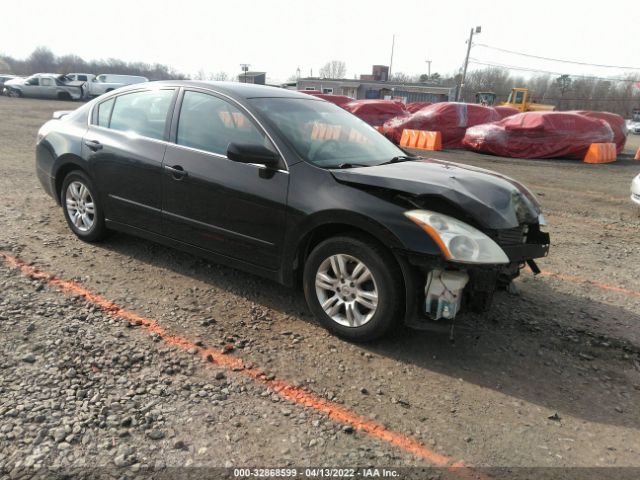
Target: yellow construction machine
point(521, 99)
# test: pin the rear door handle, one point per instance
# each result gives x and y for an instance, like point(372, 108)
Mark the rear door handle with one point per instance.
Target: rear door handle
point(93, 145)
point(177, 172)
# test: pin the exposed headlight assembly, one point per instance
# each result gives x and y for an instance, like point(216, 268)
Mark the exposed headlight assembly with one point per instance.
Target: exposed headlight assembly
point(458, 241)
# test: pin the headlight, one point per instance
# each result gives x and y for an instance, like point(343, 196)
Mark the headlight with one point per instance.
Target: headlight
point(458, 241)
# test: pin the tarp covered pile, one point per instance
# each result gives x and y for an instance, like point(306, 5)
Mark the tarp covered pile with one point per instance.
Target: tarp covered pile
point(615, 121)
point(376, 112)
point(340, 100)
point(415, 106)
point(539, 135)
point(504, 111)
point(499, 130)
point(451, 119)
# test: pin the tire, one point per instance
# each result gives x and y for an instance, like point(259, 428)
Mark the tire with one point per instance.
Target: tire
point(14, 93)
point(351, 312)
point(77, 196)
point(64, 96)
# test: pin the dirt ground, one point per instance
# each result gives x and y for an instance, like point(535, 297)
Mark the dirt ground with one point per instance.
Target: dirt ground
point(549, 378)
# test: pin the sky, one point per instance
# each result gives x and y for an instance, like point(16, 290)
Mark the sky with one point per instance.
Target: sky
point(279, 36)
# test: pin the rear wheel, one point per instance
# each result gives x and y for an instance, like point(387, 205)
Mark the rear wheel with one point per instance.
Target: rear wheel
point(82, 209)
point(354, 287)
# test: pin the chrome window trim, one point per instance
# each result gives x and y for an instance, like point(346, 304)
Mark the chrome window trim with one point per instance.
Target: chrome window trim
point(186, 88)
point(197, 150)
point(221, 157)
point(119, 94)
point(127, 133)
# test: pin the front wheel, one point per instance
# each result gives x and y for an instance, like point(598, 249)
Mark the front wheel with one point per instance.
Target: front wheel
point(354, 287)
point(14, 93)
point(82, 209)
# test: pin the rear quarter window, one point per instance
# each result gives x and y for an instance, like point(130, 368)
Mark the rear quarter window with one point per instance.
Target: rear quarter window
point(104, 113)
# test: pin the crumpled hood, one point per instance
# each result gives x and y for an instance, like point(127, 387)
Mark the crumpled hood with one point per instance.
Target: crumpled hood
point(495, 201)
point(14, 81)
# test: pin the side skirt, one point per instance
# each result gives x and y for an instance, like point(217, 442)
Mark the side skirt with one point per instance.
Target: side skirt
point(274, 275)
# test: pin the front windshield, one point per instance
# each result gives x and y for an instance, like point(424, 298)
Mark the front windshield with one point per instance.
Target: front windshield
point(325, 134)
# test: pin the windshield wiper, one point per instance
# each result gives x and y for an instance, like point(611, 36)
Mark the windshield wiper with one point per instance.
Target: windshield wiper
point(398, 159)
point(350, 165)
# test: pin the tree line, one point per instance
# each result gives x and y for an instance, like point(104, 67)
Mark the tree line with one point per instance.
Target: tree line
point(567, 92)
point(43, 60)
point(619, 95)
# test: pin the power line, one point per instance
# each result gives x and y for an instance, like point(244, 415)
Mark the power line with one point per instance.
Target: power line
point(537, 70)
point(581, 99)
point(554, 59)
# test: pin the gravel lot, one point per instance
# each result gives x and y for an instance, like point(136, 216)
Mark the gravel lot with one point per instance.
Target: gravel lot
point(549, 378)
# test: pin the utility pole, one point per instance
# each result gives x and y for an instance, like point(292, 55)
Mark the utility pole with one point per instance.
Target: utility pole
point(393, 43)
point(428, 62)
point(466, 62)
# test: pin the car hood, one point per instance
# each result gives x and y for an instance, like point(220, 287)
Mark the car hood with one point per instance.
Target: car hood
point(14, 81)
point(493, 200)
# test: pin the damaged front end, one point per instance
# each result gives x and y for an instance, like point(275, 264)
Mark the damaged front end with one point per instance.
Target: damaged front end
point(483, 227)
point(474, 263)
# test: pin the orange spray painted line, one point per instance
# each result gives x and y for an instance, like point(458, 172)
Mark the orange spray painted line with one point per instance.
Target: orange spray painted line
point(585, 281)
point(286, 390)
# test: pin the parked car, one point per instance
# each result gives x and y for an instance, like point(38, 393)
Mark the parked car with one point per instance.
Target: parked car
point(634, 127)
point(107, 82)
point(81, 77)
point(4, 78)
point(45, 85)
point(635, 190)
point(292, 188)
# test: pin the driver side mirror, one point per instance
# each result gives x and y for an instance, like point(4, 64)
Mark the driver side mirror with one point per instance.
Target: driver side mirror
point(252, 153)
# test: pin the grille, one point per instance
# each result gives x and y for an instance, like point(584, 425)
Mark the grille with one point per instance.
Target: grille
point(512, 236)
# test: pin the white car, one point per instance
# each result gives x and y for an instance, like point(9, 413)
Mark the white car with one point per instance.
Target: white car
point(106, 82)
point(81, 77)
point(635, 190)
point(634, 127)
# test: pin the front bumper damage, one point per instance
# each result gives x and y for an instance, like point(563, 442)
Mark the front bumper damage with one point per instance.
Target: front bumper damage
point(438, 290)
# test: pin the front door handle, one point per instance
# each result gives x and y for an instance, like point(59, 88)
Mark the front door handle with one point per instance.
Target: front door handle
point(177, 172)
point(93, 145)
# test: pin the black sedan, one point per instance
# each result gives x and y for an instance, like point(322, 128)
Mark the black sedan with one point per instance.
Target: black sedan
point(297, 190)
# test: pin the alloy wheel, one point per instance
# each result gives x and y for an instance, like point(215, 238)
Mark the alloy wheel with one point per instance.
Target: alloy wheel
point(346, 290)
point(80, 206)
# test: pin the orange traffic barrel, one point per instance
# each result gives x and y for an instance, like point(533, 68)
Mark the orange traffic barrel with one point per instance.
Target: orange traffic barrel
point(601, 153)
point(421, 140)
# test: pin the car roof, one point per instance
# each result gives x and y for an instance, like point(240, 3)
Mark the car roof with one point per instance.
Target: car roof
point(237, 90)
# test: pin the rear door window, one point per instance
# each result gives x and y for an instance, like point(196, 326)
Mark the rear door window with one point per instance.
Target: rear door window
point(142, 113)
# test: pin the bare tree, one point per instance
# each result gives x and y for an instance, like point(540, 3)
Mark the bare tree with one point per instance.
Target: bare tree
point(562, 83)
point(219, 76)
point(42, 60)
point(334, 69)
point(400, 77)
